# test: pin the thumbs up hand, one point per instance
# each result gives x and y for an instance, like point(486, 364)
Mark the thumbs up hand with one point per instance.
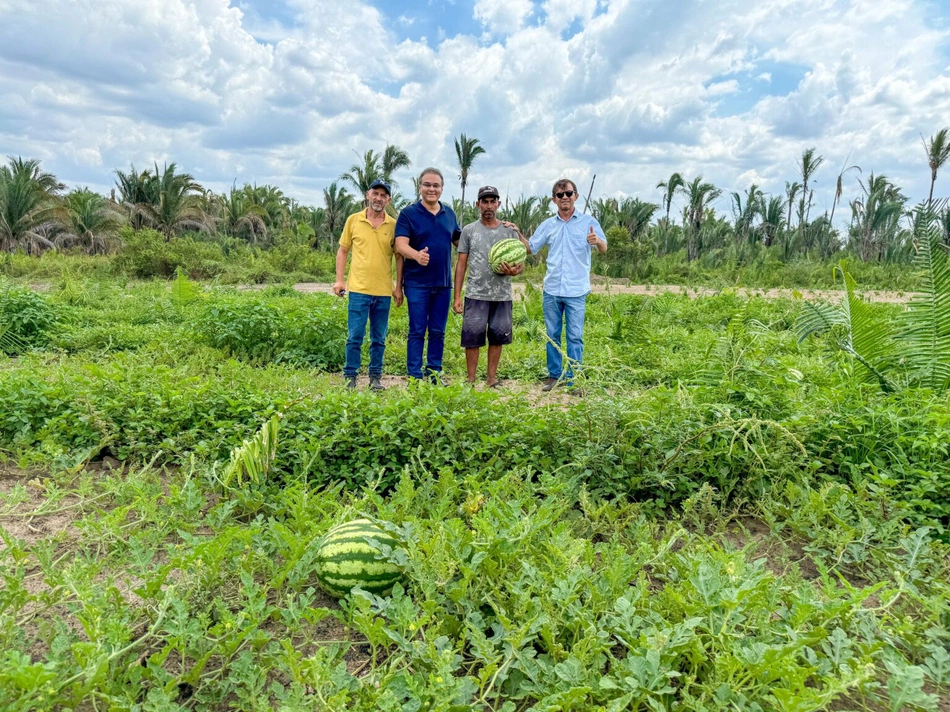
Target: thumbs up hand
point(591, 237)
point(422, 256)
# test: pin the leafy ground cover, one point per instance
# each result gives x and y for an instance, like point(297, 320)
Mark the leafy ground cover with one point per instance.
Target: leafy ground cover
point(730, 518)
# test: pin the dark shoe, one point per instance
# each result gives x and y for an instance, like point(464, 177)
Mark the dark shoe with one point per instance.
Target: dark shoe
point(496, 384)
point(350, 382)
point(576, 392)
point(375, 384)
point(550, 384)
point(436, 379)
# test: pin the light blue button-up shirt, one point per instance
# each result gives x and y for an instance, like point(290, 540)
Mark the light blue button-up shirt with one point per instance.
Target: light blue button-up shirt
point(569, 253)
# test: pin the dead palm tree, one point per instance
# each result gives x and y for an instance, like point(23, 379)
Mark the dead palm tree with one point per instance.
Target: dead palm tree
point(938, 151)
point(466, 150)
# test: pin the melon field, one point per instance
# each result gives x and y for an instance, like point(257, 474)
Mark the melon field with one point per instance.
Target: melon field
point(748, 508)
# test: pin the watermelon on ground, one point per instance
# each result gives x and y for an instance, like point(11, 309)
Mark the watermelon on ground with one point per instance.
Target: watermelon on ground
point(509, 250)
point(347, 559)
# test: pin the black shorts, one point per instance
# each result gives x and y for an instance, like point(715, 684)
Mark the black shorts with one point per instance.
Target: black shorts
point(481, 319)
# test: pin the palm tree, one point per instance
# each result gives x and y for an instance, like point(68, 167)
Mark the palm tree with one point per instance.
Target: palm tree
point(337, 207)
point(670, 187)
point(635, 215)
point(527, 213)
point(745, 215)
point(27, 205)
point(90, 220)
point(274, 205)
point(466, 150)
point(773, 215)
point(699, 195)
point(839, 187)
point(174, 202)
point(394, 158)
point(807, 165)
point(240, 216)
point(875, 218)
point(938, 151)
point(361, 176)
point(791, 191)
point(135, 190)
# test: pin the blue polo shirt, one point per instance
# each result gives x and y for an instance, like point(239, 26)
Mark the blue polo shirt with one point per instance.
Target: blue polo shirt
point(569, 253)
point(437, 232)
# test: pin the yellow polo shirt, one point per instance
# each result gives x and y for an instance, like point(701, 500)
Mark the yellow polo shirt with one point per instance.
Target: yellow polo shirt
point(371, 254)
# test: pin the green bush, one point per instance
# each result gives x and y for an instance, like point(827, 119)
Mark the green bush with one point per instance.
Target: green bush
point(26, 317)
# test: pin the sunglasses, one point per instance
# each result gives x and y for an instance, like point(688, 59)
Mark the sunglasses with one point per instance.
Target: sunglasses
point(565, 194)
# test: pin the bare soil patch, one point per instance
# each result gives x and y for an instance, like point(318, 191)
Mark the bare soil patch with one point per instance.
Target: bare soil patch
point(623, 286)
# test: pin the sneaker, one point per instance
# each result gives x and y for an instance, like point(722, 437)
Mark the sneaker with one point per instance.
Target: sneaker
point(436, 379)
point(375, 384)
point(350, 382)
point(550, 384)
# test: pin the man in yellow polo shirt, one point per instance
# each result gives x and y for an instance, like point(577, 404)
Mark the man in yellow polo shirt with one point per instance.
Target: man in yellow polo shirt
point(369, 234)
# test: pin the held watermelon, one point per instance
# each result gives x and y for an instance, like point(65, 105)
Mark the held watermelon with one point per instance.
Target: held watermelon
point(508, 250)
point(346, 559)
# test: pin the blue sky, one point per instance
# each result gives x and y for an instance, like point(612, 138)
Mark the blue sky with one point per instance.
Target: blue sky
point(290, 92)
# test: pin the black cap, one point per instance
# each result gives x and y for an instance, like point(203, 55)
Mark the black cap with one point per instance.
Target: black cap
point(487, 191)
point(380, 183)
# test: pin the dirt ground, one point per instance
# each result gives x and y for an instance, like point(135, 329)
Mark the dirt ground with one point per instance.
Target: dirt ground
point(622, 286)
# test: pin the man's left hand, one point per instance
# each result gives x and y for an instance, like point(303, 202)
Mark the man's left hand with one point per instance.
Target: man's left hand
point(592, 236)
point(397, 296)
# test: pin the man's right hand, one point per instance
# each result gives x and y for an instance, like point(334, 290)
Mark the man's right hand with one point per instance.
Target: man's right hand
point(339, 289)
point(422, 256)
point(457, 305)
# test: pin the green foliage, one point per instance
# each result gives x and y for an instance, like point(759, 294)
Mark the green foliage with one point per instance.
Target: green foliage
point(26, 319)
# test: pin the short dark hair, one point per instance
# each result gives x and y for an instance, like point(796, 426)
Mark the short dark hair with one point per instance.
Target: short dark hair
point(562, 184)
point(435, 171)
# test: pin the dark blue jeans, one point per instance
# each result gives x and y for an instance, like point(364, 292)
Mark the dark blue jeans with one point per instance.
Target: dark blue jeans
point(360, 308)
point(428, 312)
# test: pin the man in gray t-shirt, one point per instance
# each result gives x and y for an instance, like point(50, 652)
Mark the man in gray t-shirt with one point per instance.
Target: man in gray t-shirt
point(487, 307)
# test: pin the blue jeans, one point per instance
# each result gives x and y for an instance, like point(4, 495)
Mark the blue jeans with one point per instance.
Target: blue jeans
point(361, 307)
point(557, 312)
point(428, 312)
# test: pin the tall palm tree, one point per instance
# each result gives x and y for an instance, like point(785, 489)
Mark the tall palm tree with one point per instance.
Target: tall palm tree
point(466, 151)
point(938, 151)
point(27, 205)
point(90, 220)
point(361, 176)
point(699, 195)
point(875, 218)
point(807, 165)
point(670, 187)
point(394, 158)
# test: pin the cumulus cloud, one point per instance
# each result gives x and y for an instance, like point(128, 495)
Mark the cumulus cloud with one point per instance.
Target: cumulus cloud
point(628, 89)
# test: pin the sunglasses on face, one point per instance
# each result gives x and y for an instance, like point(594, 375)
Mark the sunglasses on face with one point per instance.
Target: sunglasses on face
point(564, 194)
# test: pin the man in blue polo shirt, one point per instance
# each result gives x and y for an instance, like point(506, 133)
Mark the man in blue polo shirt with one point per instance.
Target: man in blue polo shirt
point(425, 233)
point(571, 236)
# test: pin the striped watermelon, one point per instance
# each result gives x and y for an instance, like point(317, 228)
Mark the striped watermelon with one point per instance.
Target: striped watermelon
point(508, 250)
point(346, 559)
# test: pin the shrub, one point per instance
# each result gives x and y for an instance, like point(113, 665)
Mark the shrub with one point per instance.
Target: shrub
point(26, 318)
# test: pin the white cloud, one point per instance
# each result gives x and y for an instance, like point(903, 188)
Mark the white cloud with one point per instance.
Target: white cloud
point(640, 89)
point(503, 17)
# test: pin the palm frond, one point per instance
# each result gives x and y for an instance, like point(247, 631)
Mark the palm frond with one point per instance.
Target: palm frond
point(925, 326)
point(255, 456)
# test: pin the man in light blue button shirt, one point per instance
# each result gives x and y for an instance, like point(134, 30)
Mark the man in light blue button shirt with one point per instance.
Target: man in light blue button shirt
point(571, 236)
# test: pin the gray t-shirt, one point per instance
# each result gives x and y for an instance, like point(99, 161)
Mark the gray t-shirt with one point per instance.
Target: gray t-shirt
point(482, 283)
